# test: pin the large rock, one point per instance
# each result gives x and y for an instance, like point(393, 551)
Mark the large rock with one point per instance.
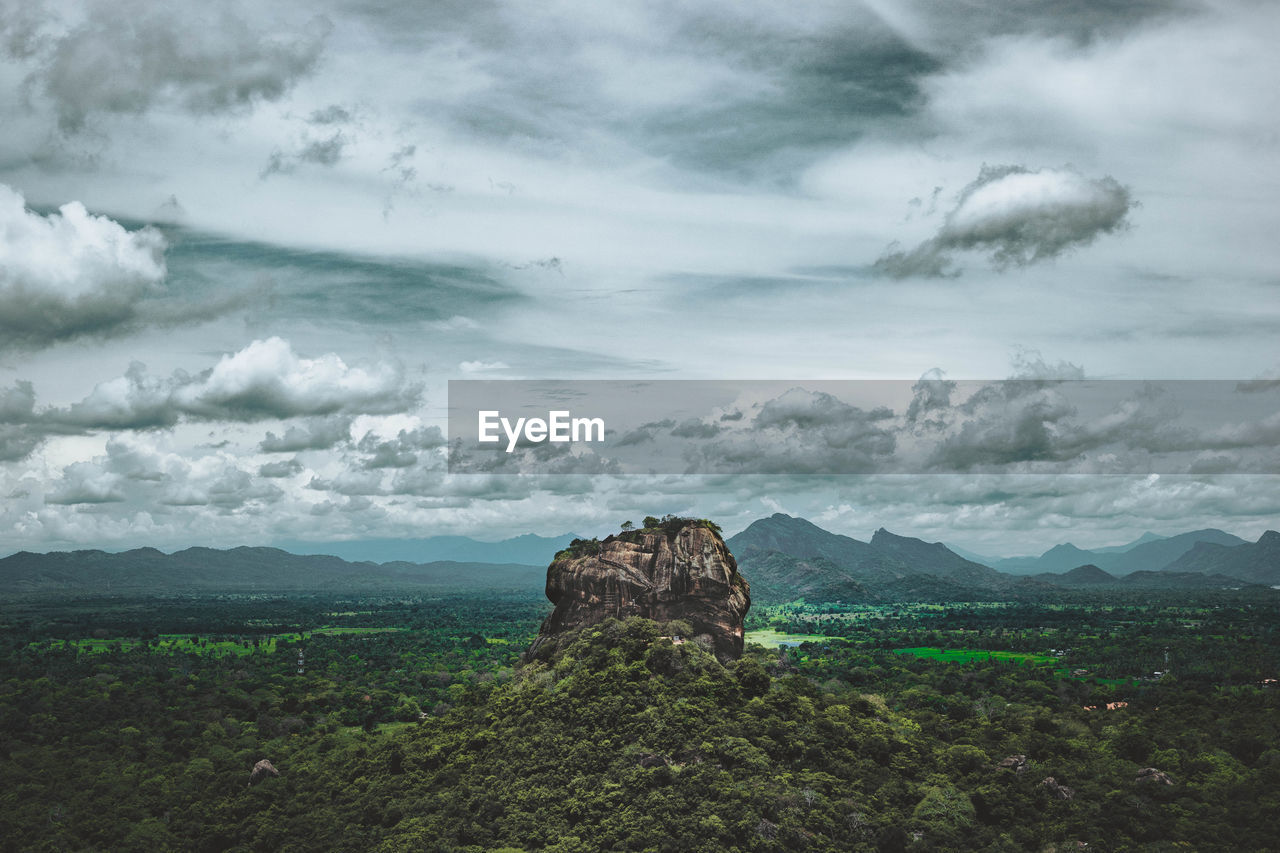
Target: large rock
point(264, 769)
point(675, 571)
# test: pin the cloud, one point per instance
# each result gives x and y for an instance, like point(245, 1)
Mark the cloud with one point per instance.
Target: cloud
point(1019, 217)
point(71, 273)
point(265, 380)
point(327, 151)
point(127, 57)
point(314, 434)
point(283, 468)
point(401, 451)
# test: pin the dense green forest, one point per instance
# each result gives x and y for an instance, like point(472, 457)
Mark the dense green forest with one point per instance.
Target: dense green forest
point(408, 723)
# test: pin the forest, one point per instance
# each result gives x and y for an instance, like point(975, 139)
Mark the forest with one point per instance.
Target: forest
point(408, 722)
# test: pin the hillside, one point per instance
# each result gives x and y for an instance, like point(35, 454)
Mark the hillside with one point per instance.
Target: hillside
point(242, 570)
point(1258, 562)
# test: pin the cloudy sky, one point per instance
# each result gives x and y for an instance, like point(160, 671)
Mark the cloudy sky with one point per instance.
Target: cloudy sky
point(243, 247)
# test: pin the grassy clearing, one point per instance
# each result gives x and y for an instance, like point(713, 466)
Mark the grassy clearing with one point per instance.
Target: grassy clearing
point(971, 655)
point(769, 638)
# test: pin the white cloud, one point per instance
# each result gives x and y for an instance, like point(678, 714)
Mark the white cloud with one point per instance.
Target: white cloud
point(71, 273)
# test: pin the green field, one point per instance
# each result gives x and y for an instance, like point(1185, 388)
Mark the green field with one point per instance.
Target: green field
point(971, 655)
point(770, 638)
point(204, 645)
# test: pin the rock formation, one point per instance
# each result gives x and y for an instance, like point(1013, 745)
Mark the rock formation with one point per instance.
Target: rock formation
point(1152, 776)
point(264, 769)
point(676, 569)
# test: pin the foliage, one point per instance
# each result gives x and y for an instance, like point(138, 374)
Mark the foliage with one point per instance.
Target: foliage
point(431, 736)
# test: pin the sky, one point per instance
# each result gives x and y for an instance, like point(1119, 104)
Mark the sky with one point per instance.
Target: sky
point(244, 247)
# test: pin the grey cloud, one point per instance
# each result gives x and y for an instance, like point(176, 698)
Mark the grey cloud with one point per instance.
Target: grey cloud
point(931, 394)
point(319, 152)
point(228, 489)
point(1019, 217)
point(283, 468)
point(401, 451)
point(645, 432)
point(694, 428)
point(86, 483)
point(17, 442)
point(332, 114)
point(313, 434)
point(127, 57)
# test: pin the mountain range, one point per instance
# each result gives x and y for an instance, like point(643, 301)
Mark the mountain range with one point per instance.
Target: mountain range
point(783, 557)
point(787, 558)
point(1147, 553)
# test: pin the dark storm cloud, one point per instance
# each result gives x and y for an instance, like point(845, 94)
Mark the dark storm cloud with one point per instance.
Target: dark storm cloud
point(1018, 217)
point(126, 57)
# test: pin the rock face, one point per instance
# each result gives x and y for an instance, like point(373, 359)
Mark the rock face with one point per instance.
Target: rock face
point(264, 769)
point(677, 572)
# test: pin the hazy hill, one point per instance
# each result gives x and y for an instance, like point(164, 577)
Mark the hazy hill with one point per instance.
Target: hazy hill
point(1089, 575)
point(1147, 553)
point(529, 549)
point(146, 570)
point(1258, 562)
point(1154, 556)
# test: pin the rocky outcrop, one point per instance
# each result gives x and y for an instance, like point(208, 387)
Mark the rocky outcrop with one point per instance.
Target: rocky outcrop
point(1016, 763)
point(1057, 790)
point(681, 570)
point(1152, 776)
point(264, 769)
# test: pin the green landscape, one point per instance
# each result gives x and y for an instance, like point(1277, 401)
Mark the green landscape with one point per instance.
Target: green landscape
point(134, 724)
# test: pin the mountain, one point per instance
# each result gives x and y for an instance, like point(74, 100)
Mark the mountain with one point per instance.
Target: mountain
point(1059, 558)
point(798, 537)
point(1120, 549)
point(777, 577)
point(1147, 553)
point(934, 558)
point(679, 571)
point(1156, 555)
point(1257, 562)
point(244, 569)
point(1088, 575)
point(529, 549)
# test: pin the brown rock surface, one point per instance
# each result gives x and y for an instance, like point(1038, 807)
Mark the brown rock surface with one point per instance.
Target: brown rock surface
point(674, 572)
point(262, 770)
